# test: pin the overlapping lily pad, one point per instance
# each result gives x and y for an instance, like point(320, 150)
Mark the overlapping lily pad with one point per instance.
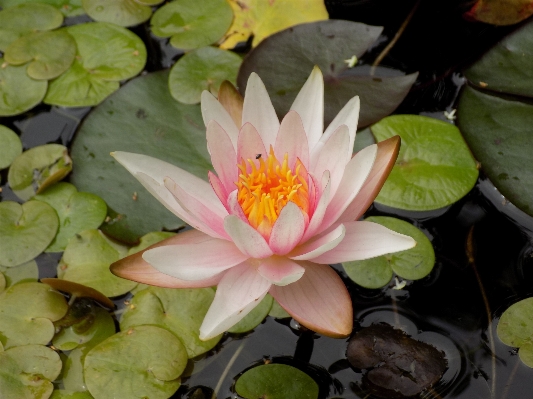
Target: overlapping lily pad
point(27, 313)
point(152, 370)
point(37, 169)
point(179, 311)
point(26, 272)
point(77, 212)
point(86, 261)
point(515, 328)
point(25, 231)
point(142, 118)
point(276, 381)
point(11, 146)
point(191, 24)
point(28, 372)
point(119, 12)
point(434, 168)
point(255, 317)
point(202, 69)
point(326, 44)
point(65, 394)
point(496, 117)
point(69, 8)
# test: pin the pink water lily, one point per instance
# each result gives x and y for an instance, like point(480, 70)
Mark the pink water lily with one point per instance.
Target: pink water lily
point(282, 206)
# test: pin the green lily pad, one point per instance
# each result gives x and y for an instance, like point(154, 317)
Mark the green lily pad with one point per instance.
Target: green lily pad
point(143, 118)
point(276, 381)
point(179, 311)
point(64, 394)
point(38, 168)
point(86, 261)
point(77, 212)
point(326, 44)
point(24, 18)
point(118, 12)
point(277, 311)
point(3, 283)
point(149, 2)
point(150, 239)
point(19, 92)
point(27, 272)
point(411, 264)
point(434, 168)
point(28, 372)
point(515, 328)
point(202, 69)
point(191, 24)
point(11, 146)
point(255, 317)
point(25, 231)
point(69, 8)
point(151, 370)
point(49, 53)
point(27, 313)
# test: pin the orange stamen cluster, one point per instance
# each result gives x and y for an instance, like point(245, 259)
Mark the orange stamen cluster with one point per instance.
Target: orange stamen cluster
point(265, 187)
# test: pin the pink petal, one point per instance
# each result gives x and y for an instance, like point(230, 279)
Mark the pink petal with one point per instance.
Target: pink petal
point(354, 177)
point(287, 230)
point(258, 110)
point(318, 301)
point(250, 145)
point(198, 261)
point(246, 238)
point(223, 155)
point(319, 245)
point(212, 110)
point(239, 291)
point(280, 270)
point(292, 140)
point(349, 116)
point(309, 104)
point(320, 211)
point(235, 208)
point(218, 188)
point(205, 212)
point(364, 240)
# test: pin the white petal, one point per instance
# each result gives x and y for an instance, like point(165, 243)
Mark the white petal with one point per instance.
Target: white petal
point(349, 116)
point(287, 230)
point(246, 238)
point(280, 270)
point(326, 242)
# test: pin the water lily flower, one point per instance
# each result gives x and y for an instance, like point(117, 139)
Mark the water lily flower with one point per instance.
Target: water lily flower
point(282, 206)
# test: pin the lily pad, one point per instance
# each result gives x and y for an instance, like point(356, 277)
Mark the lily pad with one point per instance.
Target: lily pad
point(326, 44)
point(27, 272)
point(150, 370)
point(143, 118)
point(179, 311)
point(24, 18)
point(434, 168)
point(19, 92)
point(65, 394)
point(264, 18)
point(49, 53)
point(500, 12)
point(149, 2)
point(77, 291)
point(25, 231)
point(255, 317)
point(515, 328)
point(276, 381)
point(28, 372)
point(192, 24)
point(3, 284)
point(38, 168)
point(27, 313)
point(77, 212)
point(11, 146)
point(86, 261)
point(202, 69)
point(118, 12)
point(69, 8)
point(150, 239)
point(411, 264)
point(277, 311)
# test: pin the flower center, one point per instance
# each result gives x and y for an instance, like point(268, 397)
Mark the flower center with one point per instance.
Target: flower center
point(265, 187)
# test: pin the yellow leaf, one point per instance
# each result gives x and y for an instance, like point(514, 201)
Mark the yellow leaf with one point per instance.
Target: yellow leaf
point(263, 18)
point(501, 12)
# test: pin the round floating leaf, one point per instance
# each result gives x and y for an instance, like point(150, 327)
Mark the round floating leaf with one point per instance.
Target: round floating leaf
point(146, 362)
point(49, 53)
point(500, 12)
point(277, 311)
point(119, 12)
point(19, 92)
point(28, 372)
point(77, 212)
point(276, 381)
point(264, 18)
point(255, 317)
point(526, 353)
point(191, 24)
point(179, 311)
point(64, 394)
point(26, 272)
point(69, 8)
point(25, 231)
point(202, 69)
point(11, 146)
point(27, 313)
point(24, 18)
point(3, 284)
point(143, 118)
point(434, 168)
point(76, 290)
point(149, 2)
point(38, 168)
point(412, 264)
point(515, 327)
point(326, 44)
